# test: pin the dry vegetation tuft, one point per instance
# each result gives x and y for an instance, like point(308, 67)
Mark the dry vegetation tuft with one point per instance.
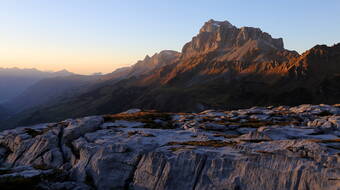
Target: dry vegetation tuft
point(146, 117)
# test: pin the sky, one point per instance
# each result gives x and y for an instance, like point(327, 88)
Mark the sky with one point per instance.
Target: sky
point(89, 36)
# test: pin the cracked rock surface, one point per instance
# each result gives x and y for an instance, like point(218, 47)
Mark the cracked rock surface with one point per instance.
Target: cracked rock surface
point(257, 148)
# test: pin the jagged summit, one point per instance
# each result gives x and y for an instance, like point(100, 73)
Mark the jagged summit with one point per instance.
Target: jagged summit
point(158, 60)
point(225, 38)
point(62, 72)
point(251, 33)
point(320, 61)
point(213, 25)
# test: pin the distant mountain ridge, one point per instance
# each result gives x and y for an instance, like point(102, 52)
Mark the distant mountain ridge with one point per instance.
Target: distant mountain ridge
point(53, 89)
point(32, 72)
point(223, 67)
point(13, 81)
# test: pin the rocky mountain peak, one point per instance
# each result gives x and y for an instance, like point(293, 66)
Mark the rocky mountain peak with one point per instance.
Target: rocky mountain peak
point(251, 33)
point(147, 57)
point(222, 36)
point(212, 25)
point(160, 59)
point(62, 72)
point(320, 61)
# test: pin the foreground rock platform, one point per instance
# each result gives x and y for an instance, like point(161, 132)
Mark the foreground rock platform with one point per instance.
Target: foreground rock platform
point(257, 148)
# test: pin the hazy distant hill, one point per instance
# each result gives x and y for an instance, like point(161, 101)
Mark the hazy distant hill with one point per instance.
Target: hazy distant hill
point(49, 90)
point(222, 67)
point(55, 89)
point(14, 81)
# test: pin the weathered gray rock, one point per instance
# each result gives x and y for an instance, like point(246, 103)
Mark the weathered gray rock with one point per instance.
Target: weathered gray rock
point(79, 127)
point(256, 148)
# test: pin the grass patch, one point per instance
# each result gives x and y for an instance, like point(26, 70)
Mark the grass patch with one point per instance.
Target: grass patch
point(146, 117)
point(333, 178)
point(148, 135)
point(132, 133)
point(325, 140)
point(252, 123)
point(174, 149)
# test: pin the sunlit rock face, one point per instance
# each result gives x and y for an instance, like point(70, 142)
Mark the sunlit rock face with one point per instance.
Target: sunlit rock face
point(158, 60)
point(257, 148)
point(235, 43)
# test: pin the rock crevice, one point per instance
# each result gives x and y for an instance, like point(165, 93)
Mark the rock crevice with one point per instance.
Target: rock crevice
point(255, 148)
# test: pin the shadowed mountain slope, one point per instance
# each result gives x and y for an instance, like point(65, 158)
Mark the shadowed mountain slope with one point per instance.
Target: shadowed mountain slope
point(14, 81)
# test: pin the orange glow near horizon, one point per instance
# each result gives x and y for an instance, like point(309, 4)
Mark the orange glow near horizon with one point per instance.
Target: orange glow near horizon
point(73, 61)
point(86, 37)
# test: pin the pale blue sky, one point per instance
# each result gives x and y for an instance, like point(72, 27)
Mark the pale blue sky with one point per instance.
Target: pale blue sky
point(87, 36)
